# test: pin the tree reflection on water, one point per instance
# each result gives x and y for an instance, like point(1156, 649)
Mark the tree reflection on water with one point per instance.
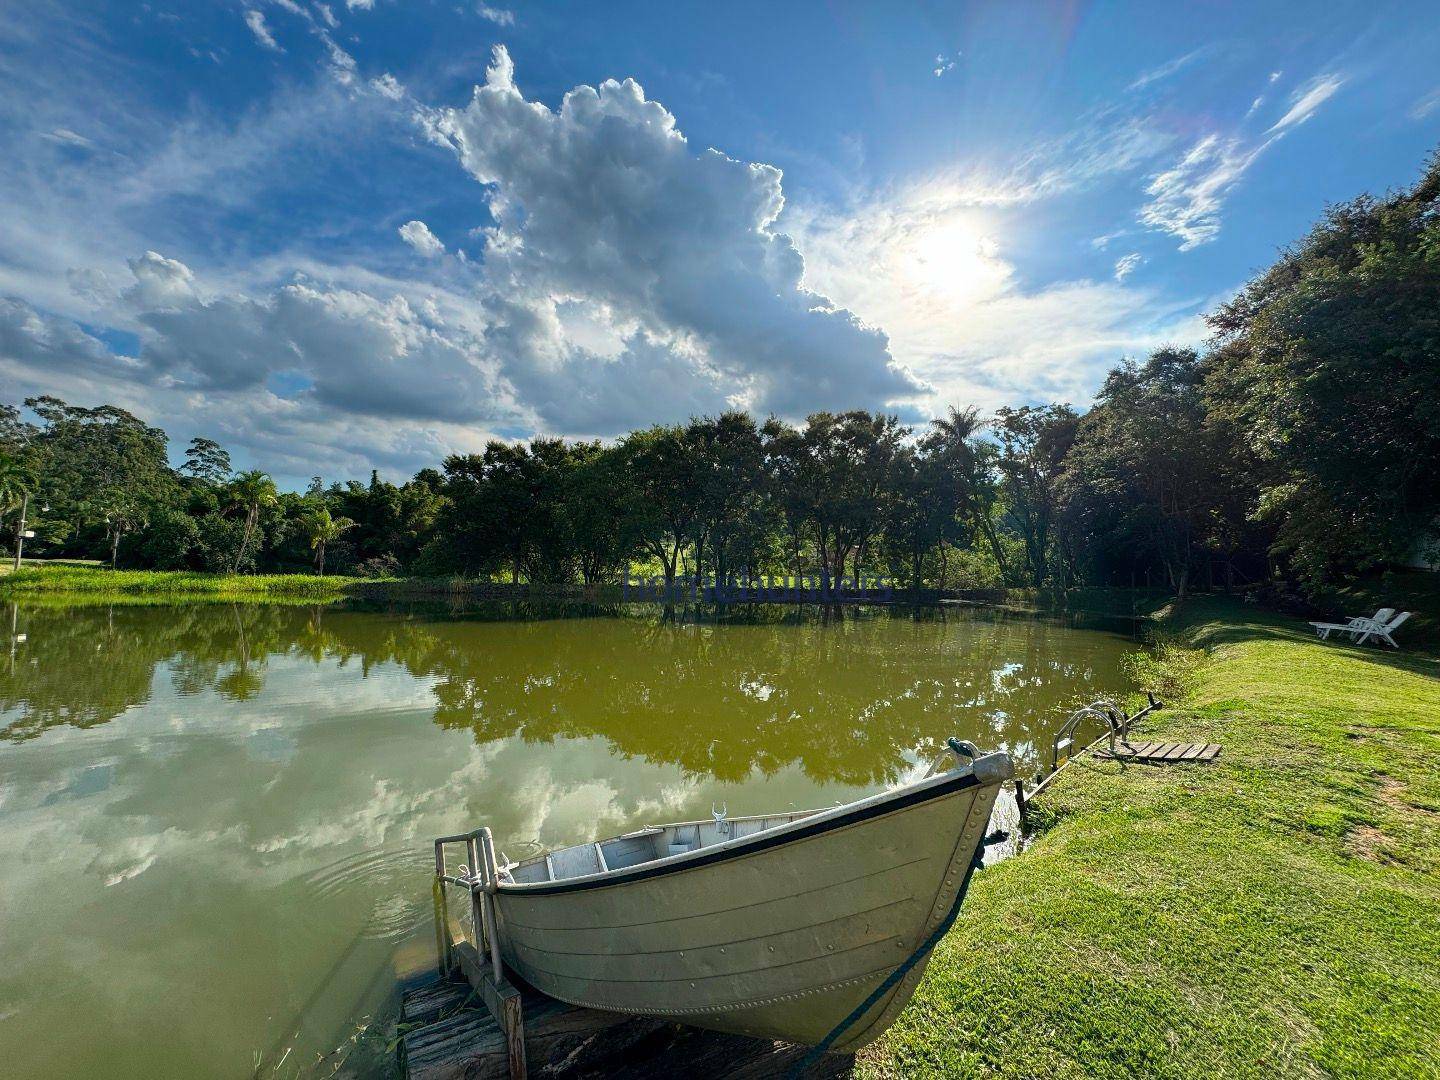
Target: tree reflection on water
point(855, 696)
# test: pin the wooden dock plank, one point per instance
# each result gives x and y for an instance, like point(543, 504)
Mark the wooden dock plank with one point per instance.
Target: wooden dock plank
point(562, 1040)
point(426, 1004)
point(1161, 753)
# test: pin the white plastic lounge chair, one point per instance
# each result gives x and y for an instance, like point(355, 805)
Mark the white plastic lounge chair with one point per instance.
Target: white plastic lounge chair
point(1383, 630)
point(1355, 624)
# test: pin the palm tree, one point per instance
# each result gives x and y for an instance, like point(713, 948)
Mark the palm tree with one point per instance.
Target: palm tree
point(321, 528)
point(251, 491)
point(954, 438)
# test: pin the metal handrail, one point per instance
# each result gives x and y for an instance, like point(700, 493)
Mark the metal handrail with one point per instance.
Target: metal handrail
point(480, 879)
point(1107, 712)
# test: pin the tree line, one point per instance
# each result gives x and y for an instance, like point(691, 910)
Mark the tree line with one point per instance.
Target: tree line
point(1303, 440)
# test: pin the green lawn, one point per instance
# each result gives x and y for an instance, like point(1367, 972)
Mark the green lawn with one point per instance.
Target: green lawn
point(78, 583)
point(102, 583)
point(1274, 913)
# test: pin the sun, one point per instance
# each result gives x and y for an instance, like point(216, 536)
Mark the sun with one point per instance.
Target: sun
point(955, 259)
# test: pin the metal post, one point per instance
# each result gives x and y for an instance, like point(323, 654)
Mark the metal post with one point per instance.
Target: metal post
point(477, 918)
point(20, 529)
point(442, 912)
point(492, 880)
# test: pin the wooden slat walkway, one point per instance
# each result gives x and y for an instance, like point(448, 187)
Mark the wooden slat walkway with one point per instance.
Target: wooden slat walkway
point(456, 1038)
point(1159, 753)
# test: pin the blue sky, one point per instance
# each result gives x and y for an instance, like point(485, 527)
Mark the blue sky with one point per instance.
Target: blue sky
point(300, 229)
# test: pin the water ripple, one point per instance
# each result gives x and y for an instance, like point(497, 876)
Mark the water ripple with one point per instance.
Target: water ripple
point(392, 881)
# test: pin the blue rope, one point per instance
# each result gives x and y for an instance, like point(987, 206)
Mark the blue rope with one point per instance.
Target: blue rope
point(895, 976)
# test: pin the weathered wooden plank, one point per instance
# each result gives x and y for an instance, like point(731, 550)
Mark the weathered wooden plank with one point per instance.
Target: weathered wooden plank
point(513, 1021)
point(467, 1043)
point(503, 1002)
point(1161, 753)
point(1127, 750)
point(427, 1005)
point(444, 1049)
point(636, 1048)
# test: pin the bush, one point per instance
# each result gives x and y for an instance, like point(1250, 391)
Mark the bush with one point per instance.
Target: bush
point(218, 543)
point(1167, 667)
point(168, 542)
point(377, 566)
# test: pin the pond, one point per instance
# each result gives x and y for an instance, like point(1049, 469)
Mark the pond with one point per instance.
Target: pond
point(215, 821)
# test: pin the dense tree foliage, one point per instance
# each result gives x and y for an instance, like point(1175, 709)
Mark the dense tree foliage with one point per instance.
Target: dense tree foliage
point(1328, 370)
point(1304, 440)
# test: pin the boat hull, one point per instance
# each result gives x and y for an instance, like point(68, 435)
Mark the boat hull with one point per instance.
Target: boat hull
point(779, 935)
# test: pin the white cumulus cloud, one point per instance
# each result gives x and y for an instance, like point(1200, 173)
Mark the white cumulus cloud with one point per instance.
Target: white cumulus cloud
point(418, 235)
point(603, 203)
point(388, 86)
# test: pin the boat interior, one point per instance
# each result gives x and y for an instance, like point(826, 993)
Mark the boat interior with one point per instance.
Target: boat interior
point(642, 846)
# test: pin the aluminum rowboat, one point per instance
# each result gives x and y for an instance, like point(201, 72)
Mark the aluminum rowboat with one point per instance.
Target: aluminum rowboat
point(775, 926)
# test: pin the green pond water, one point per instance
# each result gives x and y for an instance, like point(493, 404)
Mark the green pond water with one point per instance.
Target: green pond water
point(215, 821)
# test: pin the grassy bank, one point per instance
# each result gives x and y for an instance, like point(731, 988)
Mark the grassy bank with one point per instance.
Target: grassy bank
point(1274, 913)
point(101, 583)
point(77, 582)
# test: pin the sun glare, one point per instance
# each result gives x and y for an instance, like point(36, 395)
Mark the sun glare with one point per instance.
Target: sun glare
point(952, 258)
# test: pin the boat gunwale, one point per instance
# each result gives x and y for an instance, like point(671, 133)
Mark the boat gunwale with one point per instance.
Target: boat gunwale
point(832, 818)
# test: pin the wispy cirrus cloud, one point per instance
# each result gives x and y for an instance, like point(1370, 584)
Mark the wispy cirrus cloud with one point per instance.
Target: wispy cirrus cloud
point(1127, 265)
point(1426, 105)
point(1165, 70)
point(497, 15)
point(255, 20)
point(1187, 199)
point(959, 312)
point(1307, 99)
point(1105, 143)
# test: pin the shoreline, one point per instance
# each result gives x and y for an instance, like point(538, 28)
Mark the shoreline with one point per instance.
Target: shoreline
point(81, 584)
